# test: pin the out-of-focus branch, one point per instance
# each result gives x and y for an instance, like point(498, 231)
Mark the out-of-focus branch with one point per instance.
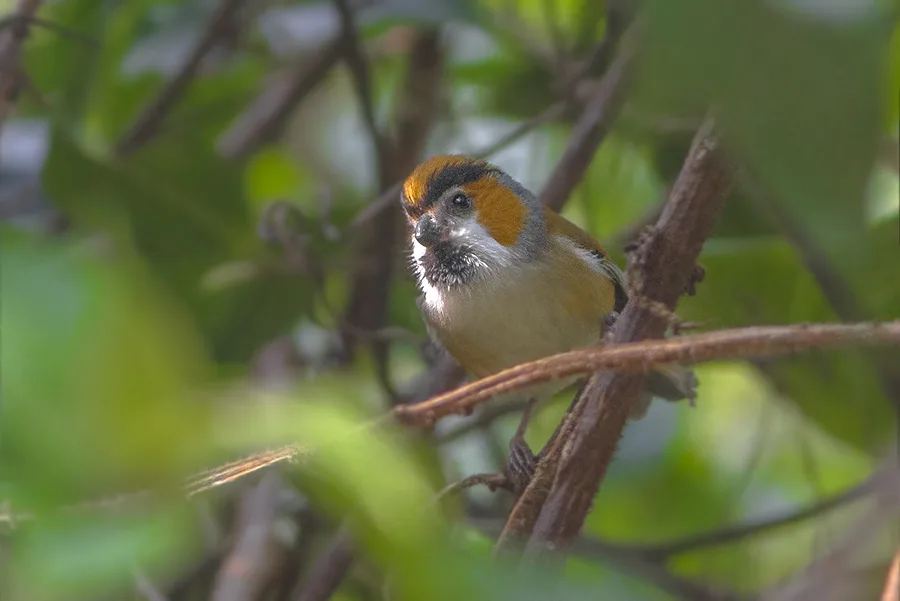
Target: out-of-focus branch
point(729, 534)
point(147, 124)
point(631, 562)
point(12, 37)
point(604, 98)
point(378, 242)
point(330, 570)
point(891, 590)
point(359, 68)
point(821, 578)
point(593, 125)
point(389, 197)
point(834, 287)
point(660, 269)
point(266, 116)
point(247, 570)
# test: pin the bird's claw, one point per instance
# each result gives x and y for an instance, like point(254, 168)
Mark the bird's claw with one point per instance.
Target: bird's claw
point(521, 464)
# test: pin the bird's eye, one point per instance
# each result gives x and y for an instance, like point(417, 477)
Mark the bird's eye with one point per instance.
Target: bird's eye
point(461, 201)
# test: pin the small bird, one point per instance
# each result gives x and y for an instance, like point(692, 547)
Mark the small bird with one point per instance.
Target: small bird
point(505, 279)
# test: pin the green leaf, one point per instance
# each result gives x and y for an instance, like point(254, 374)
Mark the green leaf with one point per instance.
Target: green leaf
point(97, 366)
point(183, 208)
point(799, 94)
point(66, 558)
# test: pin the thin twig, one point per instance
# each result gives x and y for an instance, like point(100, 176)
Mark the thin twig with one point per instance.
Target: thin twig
point(634, 357)
point(492, 481)
point(659, 271)
point(730, 534)
point(147, 124)
point(12, 37)
point(359, 68)
point(632, 562)
point(486, 417)
point(14, 19)
point(266, 116)
point(389, 197)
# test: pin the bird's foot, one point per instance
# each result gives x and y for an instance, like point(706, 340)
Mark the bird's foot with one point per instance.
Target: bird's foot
point(522, 462)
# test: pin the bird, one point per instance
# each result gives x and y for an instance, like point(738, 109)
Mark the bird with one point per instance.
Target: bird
point(504, 279)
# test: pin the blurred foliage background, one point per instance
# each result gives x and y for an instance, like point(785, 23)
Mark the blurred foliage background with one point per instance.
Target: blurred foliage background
point(184, 281)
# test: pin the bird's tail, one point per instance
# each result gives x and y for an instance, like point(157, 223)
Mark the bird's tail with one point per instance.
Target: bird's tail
point(672, 382)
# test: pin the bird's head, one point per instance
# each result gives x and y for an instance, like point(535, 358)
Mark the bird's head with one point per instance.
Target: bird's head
point(469, 220)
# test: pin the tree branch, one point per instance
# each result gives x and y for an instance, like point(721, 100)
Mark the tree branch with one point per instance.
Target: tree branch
point(635, 357)
point(660, 270)
point(891, 590)
point(246, 571)
point(266, 116)
point(595, 123)
point(376, 251)
point(359, 69)
point(12, 37)
point(147, 124)
point(818, 580)
point(631, 562)
point(330, 570)
point(738, 532)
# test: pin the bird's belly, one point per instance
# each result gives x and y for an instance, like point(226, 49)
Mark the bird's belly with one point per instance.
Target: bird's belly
point(497, 329)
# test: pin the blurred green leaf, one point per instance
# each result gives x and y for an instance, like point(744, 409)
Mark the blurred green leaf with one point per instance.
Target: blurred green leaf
point(73, 558)
point(63, 68)
point(183, 207)
point(893, 85)
point(798, 92)
point(98, 366)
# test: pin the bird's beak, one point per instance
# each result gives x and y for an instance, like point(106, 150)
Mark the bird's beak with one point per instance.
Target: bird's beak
point(427, 233)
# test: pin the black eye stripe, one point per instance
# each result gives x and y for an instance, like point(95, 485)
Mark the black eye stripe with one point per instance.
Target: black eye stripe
point(454, 176)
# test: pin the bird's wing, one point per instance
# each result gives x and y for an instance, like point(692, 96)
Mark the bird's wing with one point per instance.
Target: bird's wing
point(557, 224)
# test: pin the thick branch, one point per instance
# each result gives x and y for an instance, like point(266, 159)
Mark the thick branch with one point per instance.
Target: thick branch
point(660, 270)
